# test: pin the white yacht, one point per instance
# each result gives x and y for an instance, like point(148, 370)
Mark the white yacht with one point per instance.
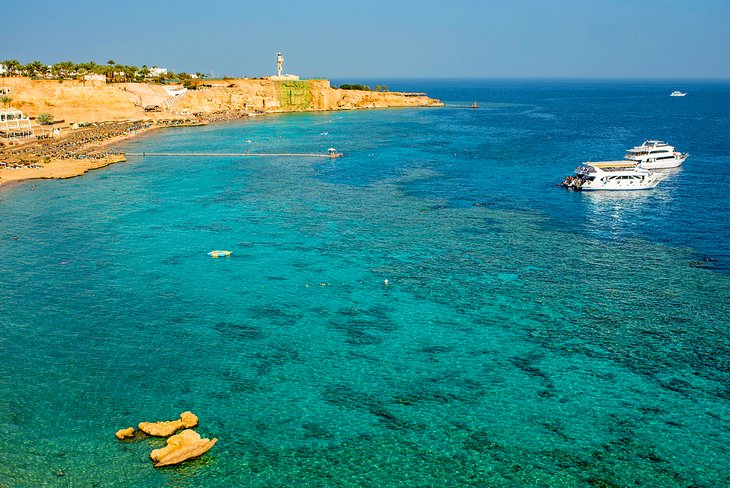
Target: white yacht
point(655, 155)
point(612, 175)
point(677, 93)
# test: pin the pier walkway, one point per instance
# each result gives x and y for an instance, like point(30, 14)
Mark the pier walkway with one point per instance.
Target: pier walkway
point(235, 155)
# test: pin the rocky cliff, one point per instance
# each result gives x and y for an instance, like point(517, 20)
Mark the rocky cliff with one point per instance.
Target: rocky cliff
point(80, 101)
point(292, 96)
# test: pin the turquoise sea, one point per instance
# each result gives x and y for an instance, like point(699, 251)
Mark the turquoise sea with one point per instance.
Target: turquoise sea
point(527, 336)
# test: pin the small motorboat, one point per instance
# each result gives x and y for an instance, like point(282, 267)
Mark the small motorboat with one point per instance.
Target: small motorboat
point(219, 253)
point(677, 93)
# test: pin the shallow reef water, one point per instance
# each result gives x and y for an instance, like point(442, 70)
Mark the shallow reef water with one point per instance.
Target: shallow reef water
point(526, 335)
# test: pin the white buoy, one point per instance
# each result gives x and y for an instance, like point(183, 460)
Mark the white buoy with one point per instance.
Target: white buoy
point(386, 282)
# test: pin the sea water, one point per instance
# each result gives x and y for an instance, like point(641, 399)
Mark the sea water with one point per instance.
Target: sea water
point(526, 335)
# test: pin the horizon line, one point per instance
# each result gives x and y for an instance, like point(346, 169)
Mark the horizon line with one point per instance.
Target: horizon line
point(546, 78)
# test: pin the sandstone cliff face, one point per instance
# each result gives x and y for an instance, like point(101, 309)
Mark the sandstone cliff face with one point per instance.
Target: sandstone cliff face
point(74, 101)
point(78, 101)
point(292, 96)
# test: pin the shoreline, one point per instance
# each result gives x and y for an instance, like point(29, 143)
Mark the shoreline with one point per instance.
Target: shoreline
point(61, 168)
point(72, 167)
point(115, 112)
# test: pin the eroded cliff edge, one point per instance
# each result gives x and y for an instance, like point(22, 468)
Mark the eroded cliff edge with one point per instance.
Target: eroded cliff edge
point(82, 101)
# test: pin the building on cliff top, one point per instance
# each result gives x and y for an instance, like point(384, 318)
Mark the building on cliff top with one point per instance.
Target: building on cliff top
point(156, 72)
point(280, 76)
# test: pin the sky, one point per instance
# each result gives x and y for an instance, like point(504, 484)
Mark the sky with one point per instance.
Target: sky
point(659, 39)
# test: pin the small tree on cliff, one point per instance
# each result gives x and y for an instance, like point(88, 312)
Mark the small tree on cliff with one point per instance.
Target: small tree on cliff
point(144, 72)
point(44, 118)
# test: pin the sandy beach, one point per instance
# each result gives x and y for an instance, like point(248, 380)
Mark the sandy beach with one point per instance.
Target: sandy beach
point(76, 153)
point(57, 169)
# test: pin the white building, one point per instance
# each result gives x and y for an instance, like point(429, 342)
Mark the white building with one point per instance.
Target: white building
point(14, 125)
point(3, 70)
point(175, 90)
point(156, 71)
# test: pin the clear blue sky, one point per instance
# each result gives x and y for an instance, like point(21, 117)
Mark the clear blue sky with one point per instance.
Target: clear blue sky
point(375, 38)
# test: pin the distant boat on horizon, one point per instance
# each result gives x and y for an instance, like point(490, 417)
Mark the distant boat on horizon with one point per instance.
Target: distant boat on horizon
point(677, 93)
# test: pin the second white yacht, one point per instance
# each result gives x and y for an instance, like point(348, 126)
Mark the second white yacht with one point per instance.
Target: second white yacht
point(655, 155)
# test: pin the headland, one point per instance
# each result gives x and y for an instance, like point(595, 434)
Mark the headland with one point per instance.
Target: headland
point(89, 115)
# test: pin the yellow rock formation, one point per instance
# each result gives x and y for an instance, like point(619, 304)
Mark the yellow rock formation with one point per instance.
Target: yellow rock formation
point(165, 429)
point(181, 447)
point(125, 433)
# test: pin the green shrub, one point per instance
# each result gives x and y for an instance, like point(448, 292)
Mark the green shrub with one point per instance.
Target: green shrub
point(44, 119)
point(348, 86)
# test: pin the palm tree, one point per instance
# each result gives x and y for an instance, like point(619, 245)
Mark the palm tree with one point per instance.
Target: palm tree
point(5, 100)
point(131, 71)
point(35, 68)
point(12, 66)
point(92, 67)
point(64, 69)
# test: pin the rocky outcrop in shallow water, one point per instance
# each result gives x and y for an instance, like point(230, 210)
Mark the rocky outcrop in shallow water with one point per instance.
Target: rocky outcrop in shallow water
point(181, 447)
point(125, 433)
point(165, 429)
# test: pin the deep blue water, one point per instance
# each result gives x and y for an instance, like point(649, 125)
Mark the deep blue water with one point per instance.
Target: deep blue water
point(540, 338)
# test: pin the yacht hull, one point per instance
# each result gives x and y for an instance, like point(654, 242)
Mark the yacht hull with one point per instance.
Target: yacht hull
point(620, 184)
point(609, 188)
point(665, 164)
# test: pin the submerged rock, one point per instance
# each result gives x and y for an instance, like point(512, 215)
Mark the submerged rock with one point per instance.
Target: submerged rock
point(125, 433)
point(181, 447)
point(166, 429)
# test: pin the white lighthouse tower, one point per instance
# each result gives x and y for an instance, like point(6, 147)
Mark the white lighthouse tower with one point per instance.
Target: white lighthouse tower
point(280, 70)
